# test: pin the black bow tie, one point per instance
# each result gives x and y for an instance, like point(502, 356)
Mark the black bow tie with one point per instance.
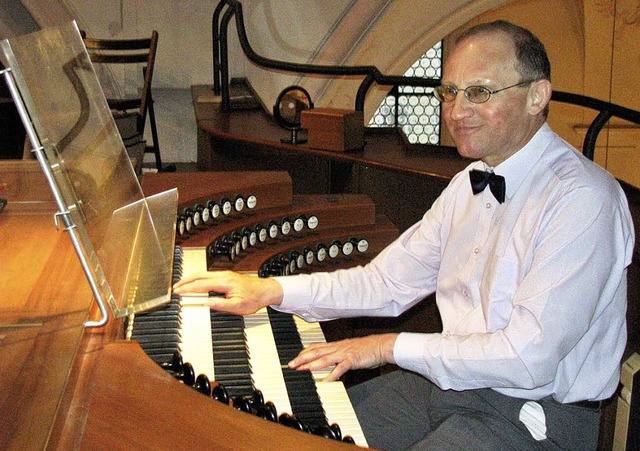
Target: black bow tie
point(480, 180)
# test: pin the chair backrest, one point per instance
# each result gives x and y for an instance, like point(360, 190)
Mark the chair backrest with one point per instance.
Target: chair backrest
point(127, 51)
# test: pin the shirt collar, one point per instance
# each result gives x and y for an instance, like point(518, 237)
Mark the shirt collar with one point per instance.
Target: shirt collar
point(515, 168)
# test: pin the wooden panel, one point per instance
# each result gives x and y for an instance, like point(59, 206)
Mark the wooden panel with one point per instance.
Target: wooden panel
point(310, 174)
point(271, 188)
point(136, 405)
point(45, 301)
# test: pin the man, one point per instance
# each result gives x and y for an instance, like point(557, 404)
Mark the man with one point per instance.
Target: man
point(530, 277)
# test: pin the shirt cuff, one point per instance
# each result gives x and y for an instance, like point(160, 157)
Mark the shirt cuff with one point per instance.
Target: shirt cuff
point(297, 292)
point(408, 352)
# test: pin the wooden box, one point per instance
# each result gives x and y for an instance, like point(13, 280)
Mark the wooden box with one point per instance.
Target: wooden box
point(333, 129)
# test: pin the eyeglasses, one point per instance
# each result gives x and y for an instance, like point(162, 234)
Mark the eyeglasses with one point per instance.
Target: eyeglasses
point(474, 94)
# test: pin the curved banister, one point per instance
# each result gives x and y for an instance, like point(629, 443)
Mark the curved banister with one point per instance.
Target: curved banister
point(234, 8)
point(215, 39)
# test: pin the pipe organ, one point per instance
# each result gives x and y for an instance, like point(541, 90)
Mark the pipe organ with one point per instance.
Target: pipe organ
point(252, 222)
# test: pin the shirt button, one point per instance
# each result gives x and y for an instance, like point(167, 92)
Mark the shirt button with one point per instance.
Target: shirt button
point(476, 250)
point(446, 333)
point(487, 206)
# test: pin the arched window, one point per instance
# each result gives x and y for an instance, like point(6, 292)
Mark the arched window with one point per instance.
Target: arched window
point(414, 109)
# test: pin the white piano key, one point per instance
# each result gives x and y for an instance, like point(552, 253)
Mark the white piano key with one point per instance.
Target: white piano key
point(194, 259)
point(338, 409)
point(195, 339)
point(312, 333)
point(195, 321)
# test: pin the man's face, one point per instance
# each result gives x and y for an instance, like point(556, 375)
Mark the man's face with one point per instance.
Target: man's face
point(494, 130)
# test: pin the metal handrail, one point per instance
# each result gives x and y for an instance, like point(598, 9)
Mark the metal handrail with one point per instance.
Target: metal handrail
point(606, 111)
point(371, 74)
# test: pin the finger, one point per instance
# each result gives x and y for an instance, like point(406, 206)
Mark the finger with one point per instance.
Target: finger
point(221, 304)
point(337, 372)
point(216, 303)
point(311, 352)
point(191, 277)
point(195, 286)
point(232, 304)
point(317, 365)
point(203, 282)
point(320, 362)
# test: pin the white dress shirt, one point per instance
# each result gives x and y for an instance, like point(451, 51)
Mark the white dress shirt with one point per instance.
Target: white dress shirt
point(532, 292)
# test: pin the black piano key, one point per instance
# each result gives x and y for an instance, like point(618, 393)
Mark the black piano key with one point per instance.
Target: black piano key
point(230, 345)
point(228, 336)
point(159, 322)
point(155, 329)
point(164, 337)
point(239, 391)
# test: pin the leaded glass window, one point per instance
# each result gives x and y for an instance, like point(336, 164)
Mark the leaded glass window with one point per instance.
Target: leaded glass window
point(414, 109)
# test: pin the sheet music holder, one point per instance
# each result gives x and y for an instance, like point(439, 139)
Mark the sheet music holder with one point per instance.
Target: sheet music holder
point(123, 239)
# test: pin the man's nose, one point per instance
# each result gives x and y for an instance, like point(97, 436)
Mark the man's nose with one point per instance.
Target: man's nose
point(460, 107)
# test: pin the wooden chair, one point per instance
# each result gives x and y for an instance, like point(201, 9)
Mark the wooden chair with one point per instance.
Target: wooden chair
point(141, 52)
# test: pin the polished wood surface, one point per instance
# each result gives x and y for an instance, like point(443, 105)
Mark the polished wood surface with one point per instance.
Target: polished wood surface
point(45, 302)
point(383, 149)
point(271, 188)
point(157, 412)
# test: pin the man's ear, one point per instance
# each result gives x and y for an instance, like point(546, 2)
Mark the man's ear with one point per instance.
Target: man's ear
point(539, 96)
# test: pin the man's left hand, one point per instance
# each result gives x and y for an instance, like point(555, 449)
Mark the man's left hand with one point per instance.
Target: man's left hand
point(350, 354)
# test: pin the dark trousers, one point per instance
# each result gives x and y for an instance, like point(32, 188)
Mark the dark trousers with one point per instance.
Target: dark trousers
point(403, 410)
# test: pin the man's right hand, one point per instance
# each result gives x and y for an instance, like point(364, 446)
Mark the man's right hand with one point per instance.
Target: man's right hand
point(241, 294)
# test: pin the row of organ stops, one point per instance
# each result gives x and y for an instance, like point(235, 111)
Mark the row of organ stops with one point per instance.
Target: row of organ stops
point(204, 215)
point(297, 260)
point(253, 403)
point(233, 244)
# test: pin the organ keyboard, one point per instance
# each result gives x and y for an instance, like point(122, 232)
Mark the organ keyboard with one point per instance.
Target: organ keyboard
point(192, 336)
point(266, 369)
point(69, 379)
point(343, 231)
